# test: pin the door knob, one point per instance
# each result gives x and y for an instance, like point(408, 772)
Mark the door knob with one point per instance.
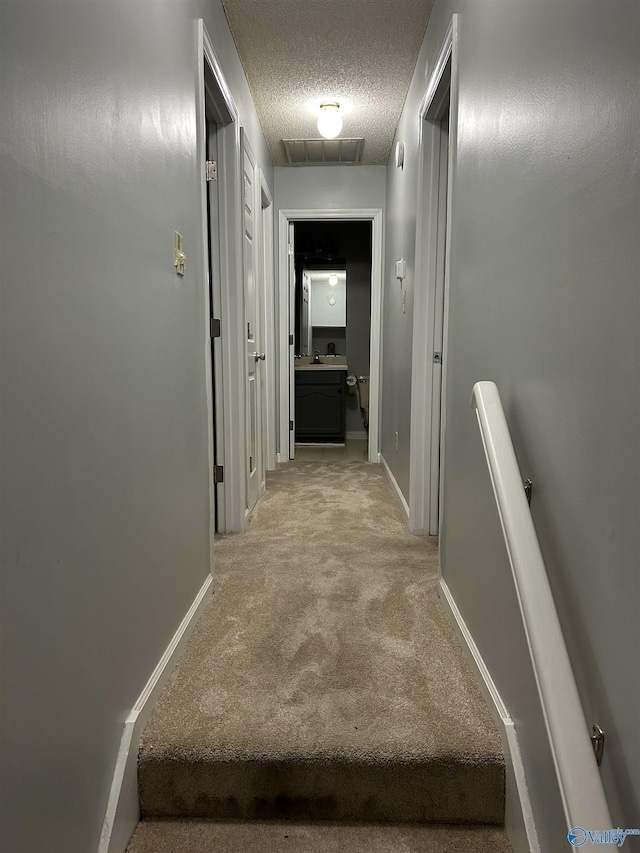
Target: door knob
point(259, 356)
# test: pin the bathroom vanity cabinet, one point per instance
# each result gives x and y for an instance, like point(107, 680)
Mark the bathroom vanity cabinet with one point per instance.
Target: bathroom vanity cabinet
point(320, 404)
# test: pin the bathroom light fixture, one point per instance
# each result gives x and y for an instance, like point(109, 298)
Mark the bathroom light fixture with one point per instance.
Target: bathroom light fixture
point(333, 280)
point(329, 119)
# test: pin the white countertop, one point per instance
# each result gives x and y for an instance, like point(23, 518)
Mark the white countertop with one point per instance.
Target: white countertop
point(319, 367)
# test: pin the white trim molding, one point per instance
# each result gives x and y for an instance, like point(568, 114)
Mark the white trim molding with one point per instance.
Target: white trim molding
point(123, 807)
point(375, 353)
point(394, 485)
point(518, 818)
point(206, 55)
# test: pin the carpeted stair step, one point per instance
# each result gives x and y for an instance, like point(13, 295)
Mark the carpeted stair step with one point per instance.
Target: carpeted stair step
point(454, 789)
point(324, 681)
point(177, 836)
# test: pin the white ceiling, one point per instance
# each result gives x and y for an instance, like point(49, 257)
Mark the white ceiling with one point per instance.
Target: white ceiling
point(297, 52)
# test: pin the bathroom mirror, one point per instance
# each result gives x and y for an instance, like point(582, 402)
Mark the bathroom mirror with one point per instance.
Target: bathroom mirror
point(328, 298)
point(321, 309)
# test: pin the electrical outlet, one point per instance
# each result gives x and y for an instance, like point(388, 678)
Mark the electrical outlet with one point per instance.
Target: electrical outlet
point(395, 441)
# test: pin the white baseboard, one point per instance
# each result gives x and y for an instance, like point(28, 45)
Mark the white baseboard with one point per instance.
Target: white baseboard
point(123, 807)
point(395, 487)
point(518, 819)
point(356, 435)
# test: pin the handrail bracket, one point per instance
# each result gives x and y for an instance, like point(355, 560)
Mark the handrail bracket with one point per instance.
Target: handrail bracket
point(597, 741)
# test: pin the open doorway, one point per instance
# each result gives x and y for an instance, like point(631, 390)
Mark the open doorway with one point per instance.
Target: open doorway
point(346, 247)
point(332, 326)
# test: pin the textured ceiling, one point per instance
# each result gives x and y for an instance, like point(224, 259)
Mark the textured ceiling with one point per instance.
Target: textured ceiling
point(297, 52)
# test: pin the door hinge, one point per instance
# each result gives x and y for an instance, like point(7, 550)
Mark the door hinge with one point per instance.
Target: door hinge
point(212, 170)
point(290, 248)
point(290, 340)
point(437, 358)
point(218, 474)
point(214, 327)
point(290, 425)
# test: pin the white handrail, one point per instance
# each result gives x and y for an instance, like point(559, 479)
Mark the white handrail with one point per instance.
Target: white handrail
point(579, 779)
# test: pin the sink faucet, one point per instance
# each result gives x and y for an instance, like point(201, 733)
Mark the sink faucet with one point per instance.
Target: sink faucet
point(316, 358)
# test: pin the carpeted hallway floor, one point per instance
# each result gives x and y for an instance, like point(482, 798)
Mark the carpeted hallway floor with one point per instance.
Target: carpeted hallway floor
point(322, 683)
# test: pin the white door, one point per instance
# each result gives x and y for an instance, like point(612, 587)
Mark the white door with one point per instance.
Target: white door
point(292, 332)
point(254, 357)
point(438, 328)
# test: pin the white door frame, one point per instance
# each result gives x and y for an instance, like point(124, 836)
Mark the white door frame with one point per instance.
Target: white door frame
point(290, 330)
point(347, 215)
point(427, 423)
point(229, 353)
point(268, 323)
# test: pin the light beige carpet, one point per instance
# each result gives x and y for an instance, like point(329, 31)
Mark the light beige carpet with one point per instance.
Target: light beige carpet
point(279, 837)
point(323, 681)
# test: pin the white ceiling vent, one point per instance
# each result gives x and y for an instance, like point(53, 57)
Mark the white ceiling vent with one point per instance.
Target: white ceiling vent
point(323, 152)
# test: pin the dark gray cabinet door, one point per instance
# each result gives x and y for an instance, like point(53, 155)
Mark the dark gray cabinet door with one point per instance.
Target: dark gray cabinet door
point(320, 405)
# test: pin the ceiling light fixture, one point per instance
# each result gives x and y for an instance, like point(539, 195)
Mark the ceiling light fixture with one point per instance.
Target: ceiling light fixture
point(329, 119)
point(333, 280)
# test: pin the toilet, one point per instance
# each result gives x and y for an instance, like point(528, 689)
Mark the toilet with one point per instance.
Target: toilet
point(363, 398)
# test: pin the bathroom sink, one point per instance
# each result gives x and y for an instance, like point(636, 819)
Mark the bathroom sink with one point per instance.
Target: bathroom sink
point(331, 367)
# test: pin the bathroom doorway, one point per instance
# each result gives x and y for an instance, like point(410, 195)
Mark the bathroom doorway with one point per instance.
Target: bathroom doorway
point(332, 321)
point(330, 310)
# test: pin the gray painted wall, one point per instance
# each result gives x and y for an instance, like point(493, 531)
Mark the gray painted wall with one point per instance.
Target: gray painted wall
point(104, 441)
point(329, 187)
point(544, 301)
point(397, 324)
